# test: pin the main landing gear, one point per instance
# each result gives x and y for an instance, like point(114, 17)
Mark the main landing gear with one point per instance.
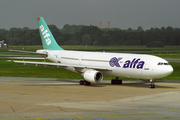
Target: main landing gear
point(116, 81)
point(152, 85)
point(83, 82)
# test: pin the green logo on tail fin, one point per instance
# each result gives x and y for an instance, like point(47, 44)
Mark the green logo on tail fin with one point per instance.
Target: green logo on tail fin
point(47, 38)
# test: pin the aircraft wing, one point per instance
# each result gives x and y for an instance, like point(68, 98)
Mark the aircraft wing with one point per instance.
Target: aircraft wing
point(59, 65)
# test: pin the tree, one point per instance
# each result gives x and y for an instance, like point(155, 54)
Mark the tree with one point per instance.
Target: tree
point(140, 29)
point(155, 44)
point(92, 35)
point(87, 40)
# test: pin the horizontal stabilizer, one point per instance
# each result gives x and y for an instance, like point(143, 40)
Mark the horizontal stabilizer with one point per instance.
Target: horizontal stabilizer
point(19, 51)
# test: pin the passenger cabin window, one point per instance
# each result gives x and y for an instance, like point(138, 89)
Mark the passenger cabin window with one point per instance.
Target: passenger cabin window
point(160, 63)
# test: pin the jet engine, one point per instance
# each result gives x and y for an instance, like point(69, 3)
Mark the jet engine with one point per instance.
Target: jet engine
point(92, 76)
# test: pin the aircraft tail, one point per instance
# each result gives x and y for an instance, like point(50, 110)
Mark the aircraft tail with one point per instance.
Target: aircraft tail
point(47, 38)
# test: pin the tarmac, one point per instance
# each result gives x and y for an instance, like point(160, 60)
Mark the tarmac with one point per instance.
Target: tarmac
point(64, 99)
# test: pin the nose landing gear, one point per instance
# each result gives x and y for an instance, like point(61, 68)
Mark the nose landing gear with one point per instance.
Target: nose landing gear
point(152, 85)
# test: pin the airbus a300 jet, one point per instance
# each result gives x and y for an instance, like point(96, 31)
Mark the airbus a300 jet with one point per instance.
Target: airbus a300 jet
point(93, 66)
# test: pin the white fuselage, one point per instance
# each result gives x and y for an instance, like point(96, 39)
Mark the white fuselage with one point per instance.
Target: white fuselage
point(122, 65)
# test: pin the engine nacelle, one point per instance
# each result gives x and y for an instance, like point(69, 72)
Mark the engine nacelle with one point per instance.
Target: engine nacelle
point(92, 76)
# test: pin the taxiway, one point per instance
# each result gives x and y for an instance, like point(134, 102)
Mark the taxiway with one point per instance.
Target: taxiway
point(53, 99)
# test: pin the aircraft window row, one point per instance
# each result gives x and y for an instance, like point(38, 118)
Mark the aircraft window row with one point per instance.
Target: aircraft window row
point(160, 63)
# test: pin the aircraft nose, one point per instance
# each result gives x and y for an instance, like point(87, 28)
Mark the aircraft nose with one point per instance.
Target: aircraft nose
point(167, 71)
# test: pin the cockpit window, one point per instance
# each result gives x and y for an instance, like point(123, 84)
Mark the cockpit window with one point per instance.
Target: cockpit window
point(166, 64)
point(160, 63)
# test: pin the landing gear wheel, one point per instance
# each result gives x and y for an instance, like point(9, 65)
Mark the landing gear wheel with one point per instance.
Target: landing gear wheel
point(81, 82)
point(119, 82)
point(116, 82)
point(87, 83)
point(113, 82)
point(151, 86)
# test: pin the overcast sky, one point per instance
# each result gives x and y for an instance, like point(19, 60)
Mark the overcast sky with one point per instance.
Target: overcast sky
point(121, 13)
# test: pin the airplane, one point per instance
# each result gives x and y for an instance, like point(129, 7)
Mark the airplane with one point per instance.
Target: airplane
point(93, 66)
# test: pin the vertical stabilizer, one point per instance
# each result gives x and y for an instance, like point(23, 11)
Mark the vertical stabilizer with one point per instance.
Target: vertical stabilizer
point(47, 38)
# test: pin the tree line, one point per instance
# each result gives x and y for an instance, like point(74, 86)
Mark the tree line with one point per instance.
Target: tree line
point(92, 35)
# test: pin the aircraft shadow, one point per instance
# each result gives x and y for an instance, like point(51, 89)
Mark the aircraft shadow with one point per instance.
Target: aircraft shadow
point(140, 84)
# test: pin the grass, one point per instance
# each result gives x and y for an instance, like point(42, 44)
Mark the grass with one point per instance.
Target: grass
point(169, 56)
point(98, 48)
point(19, 70)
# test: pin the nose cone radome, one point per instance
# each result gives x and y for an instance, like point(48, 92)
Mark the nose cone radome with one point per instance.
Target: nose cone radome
point(167, 71)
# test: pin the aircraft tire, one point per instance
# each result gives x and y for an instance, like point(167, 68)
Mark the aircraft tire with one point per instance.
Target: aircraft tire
point(151, 86)
point(81, 82)
point(87, 83)
point(116, 82)
point(119, 82)
point(112, 81)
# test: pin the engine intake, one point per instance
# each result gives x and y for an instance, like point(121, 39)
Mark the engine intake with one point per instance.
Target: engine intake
point(92, 76)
